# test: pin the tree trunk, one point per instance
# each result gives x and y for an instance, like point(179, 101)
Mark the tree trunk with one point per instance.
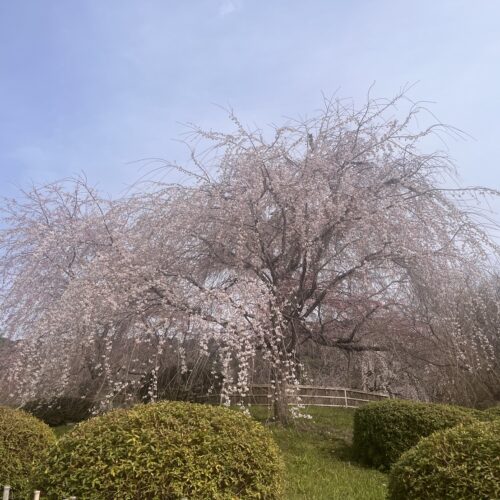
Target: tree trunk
point(281, 399)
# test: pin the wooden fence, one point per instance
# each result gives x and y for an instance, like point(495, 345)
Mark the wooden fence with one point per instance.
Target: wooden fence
point(308, 395)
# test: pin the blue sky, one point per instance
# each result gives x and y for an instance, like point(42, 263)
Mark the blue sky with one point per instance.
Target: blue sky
point(93, 85)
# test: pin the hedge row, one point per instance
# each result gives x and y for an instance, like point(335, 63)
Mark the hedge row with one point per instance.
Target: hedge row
point(60, 411)
point(167, 450)
point(436, 451)
point(462, 463)
point(383, 430)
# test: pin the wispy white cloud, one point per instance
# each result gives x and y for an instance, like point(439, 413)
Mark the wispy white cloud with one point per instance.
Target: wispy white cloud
point(227, 7)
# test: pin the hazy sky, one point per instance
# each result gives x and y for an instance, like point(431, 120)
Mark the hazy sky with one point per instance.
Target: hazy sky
point(94, 85)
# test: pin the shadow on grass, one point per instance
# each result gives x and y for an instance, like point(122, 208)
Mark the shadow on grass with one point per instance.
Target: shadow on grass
point(343, 450)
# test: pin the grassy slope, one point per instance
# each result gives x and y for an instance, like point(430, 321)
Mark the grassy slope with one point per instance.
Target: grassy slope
point(317, 456)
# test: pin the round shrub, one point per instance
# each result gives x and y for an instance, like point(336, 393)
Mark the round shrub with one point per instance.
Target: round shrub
point(462, 463)
point(166, 450)
point(24, 441)
point(61, 410)
point(383, 430)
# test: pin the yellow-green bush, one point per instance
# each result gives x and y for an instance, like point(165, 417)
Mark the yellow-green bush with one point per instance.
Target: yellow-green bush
point(24, 441)
point(461, 463)
point(383, 430)
point(166, 450)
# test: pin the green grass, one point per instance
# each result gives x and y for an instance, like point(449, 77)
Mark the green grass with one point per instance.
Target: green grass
point(317, 457)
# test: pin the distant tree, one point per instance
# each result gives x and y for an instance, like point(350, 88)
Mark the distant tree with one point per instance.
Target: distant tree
point(311, 234)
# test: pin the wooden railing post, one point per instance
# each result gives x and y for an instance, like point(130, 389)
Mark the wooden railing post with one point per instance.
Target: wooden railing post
point(37, 495)
point(345, 397)
point(6, 492)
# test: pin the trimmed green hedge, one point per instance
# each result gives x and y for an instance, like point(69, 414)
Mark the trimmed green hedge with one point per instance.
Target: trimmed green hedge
point(462, 463)
point(61, 410)
point(383, 430)
point(24, 441)
point(166, 450)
